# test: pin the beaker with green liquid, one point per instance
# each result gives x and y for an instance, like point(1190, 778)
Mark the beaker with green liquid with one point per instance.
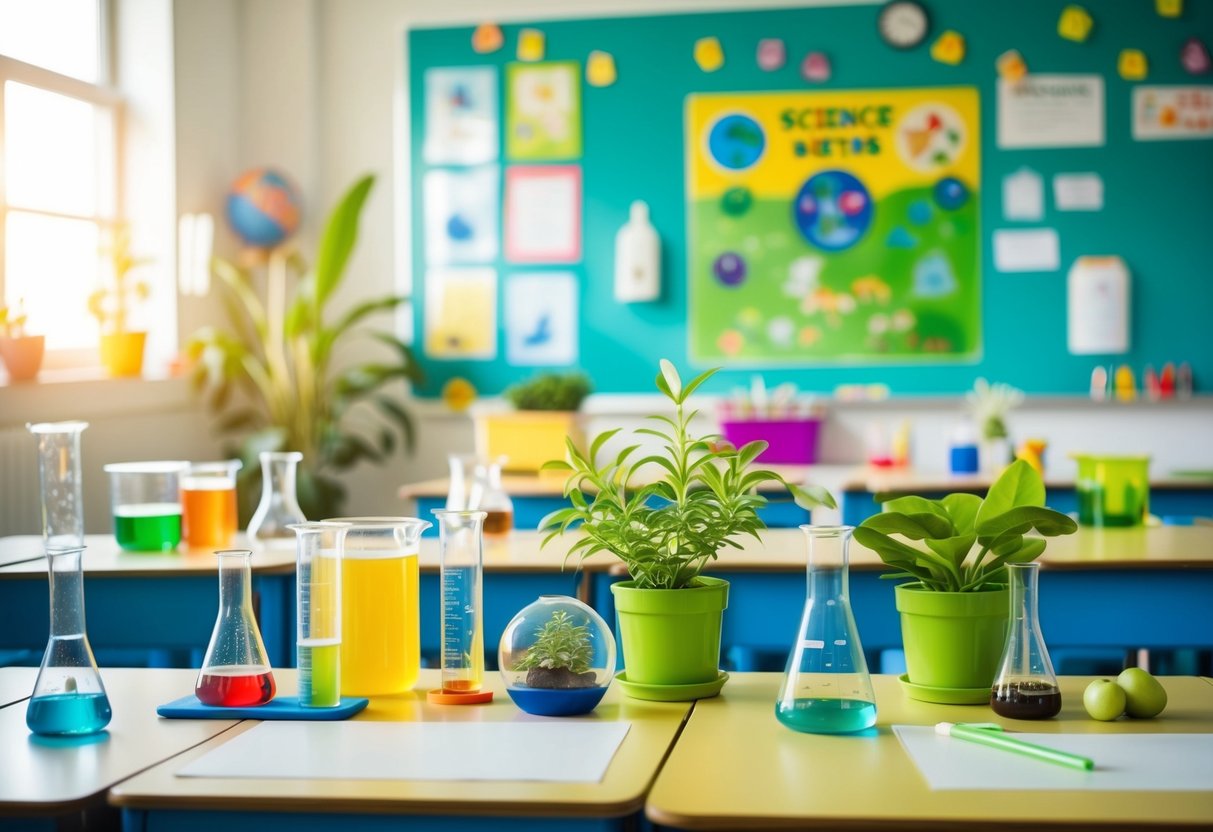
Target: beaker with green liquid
point(146, 500)
point(1112, 490)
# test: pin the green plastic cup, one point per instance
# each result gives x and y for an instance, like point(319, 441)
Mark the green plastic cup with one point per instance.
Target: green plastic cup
point(1112, 490)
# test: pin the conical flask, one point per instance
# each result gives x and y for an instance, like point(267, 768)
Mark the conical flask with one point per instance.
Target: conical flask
point(69, 697)
point(235, 672)
point(59, 476)
point(279, 507)
point(827, 688)
point(1026, 686)
point(488, 495)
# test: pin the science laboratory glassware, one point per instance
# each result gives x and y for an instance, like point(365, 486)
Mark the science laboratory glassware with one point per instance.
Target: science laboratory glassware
point(380, 610)
point(146, 502)
point(826, 687)
point(279, 506)
point(488, 495)
point(1026, 686)
point(459, 486)
point(462, 566)
point(62, 485)
point(69, 697)
point(208, 504)
point(235, 672)
point(318, 548)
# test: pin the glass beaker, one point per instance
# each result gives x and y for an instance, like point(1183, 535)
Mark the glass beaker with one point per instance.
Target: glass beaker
point(279, 506)
point(380, 611)
point(62, 487)
point(235, 672)
point(69, 697)
point(318, 549)
point(826, 687)
point(1112, 490)
point(208, 504)
point(489, 496)
point(146, 502)
point(462, 567)
point(1026, 686)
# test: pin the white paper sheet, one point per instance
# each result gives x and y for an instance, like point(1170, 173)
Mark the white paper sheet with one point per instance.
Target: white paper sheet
point(1051, 111)
point(1023, 196)
point(1078, 192)
point(557, 751)
point(461, 209)
point(461, 121)
point(1123, 762)
point(541, 319)
point(1172, 112)
point(1030, 250)
point(543, 214)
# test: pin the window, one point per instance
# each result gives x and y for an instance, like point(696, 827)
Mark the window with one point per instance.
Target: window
point(59, 152)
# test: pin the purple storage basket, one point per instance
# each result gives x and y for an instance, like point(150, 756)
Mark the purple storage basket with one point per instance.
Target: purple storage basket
point(790, 441)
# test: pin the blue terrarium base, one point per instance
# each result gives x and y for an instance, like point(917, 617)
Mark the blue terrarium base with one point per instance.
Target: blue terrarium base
point(553, 702)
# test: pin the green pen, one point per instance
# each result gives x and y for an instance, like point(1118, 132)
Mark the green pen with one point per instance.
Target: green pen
point(987, 733)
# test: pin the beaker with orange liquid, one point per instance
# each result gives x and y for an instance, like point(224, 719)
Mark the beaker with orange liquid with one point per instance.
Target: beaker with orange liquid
point(208, 503)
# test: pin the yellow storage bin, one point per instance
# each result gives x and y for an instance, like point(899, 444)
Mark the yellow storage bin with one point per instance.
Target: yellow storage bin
point(527, 438)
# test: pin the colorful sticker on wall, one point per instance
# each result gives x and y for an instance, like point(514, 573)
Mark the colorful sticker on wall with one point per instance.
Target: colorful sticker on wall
point(461, 212)
point(461, 313)
point(543, 111)
point(1194, 57)
point(1172, 112)
point(487, 38)
point(1011, 66)
point(460, 116)
point(1169, 8)
point(881, 187)
point(600, 69)
point(541, 319)
point(709, 54)
point(816, 67)
point(772, 54)
point(1075, 24)
point(530, 45)
point(1132, 65)
point(543, 214)
point(949, 48)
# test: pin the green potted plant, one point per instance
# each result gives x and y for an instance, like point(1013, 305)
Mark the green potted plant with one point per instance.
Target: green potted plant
point(955, 608)
point(121, 347)
point(665, 531)
point(989, 405)
point(279, 355)
point(545, 413)
point(21, 353)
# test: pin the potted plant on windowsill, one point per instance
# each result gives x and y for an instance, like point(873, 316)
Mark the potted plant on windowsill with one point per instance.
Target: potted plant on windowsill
point(954, 611)
point(545, 413)
point(121, 347)
point(21, 353)
point(665, 532)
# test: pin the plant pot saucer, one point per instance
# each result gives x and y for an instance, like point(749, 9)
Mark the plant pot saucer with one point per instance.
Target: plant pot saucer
point(674, 693)
point(945, 696)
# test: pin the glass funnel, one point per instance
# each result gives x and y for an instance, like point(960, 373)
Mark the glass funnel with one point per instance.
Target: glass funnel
point(1026, 686)
point(68, 698)
point(462, 569)
point(235, 672)
point(62, 487)
point(279, 506)
point(826, 687)
point(318, 548)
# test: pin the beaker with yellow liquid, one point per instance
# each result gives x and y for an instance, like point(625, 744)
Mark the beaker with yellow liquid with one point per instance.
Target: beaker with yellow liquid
point(380, 611)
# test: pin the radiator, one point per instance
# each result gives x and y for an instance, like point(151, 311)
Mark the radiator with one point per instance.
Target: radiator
point(20, 507)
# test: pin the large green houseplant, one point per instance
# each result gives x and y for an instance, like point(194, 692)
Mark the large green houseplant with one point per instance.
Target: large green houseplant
point(954, 609)
point(279, 355)
point(665, 531)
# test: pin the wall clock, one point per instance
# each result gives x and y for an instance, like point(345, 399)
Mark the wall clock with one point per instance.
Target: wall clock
point(903, 24)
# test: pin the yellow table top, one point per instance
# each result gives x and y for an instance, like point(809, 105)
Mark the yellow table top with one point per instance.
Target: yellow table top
point(735, 766)
point(103, 558)
point(16, 684)
point(56, 776)
point(622, 791)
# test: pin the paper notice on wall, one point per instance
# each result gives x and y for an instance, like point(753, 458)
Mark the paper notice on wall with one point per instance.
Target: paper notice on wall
point(1172, 113)
point(461, 313)
point(461, 121)
point(541, 319)
point(1030, 250)
point(1023, 196)
point(1051, 111)
point(543, 214)
point(1078, 192)
point(461, 208)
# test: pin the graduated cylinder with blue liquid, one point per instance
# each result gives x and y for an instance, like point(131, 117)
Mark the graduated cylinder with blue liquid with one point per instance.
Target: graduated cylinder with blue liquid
point(827, 688)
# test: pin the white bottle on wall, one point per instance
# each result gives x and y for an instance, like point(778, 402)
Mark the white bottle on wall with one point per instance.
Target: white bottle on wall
point(637, 258)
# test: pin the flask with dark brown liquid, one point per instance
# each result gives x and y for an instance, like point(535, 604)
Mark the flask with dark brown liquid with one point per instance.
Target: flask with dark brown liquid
point(1026, 686)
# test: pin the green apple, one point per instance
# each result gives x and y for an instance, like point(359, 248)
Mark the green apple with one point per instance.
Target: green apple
point(1104, 700)
point(1145, 696)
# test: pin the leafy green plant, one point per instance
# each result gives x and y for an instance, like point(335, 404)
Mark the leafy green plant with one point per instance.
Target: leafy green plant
point(111, 305)
point(550, 391)
point(560, 643)
point(279, 355)
point(12, 320)
point(990, 404)
point(966, 541)
point(668, 530)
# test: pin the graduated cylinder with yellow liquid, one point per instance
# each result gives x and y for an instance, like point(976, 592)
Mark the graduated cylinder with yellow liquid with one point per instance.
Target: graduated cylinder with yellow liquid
point(380, 611)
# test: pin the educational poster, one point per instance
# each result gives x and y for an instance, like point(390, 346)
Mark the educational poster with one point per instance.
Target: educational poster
point(1172, 113)
point(1051, 111)
point(543, 111)
point(543, 214)
point(541, 319)
point(460, 116)
point(833, 227)
point(461, 212)
point(461, 313)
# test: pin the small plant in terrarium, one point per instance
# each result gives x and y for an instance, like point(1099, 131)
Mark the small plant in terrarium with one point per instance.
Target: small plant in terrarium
point(560, 656)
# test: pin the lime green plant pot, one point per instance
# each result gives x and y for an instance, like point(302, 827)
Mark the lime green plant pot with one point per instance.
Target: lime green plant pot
point(952, 640)
point(671, 636)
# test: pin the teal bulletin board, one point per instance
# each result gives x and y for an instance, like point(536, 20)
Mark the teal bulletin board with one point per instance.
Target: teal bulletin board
point(631, 143)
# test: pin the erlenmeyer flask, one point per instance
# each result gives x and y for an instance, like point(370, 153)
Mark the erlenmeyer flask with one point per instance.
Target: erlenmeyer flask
point(826, 688)
point(68, 697)
point(380, 609)
point(59, 475)
point(279, 507)
point(235, 672)
point(489, 496)
point(1026, 686)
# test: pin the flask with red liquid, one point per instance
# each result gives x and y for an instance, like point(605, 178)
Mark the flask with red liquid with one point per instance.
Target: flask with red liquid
point(235, 672)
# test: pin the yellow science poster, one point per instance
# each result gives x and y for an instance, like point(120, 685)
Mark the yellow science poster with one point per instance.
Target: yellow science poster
point(833, 227)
